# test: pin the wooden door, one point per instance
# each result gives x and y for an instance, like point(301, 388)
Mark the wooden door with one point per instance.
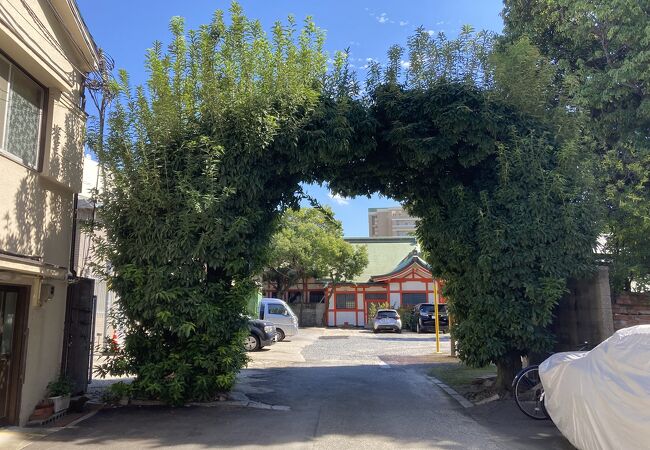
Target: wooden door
point(78, 343)
point(13, 307)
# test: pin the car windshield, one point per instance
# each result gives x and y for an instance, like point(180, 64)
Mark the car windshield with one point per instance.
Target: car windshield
point(442, 308)
point(386, 314)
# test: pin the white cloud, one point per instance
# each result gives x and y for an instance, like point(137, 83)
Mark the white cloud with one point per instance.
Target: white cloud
point(382, 18)
point(403, 23)
point(442, 22)
point(431, 32)
point(339, 199)
point(405, 64)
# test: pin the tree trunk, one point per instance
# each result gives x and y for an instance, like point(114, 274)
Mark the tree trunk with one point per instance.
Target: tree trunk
point(330, 296)
point(305, 291)
point(507, 368)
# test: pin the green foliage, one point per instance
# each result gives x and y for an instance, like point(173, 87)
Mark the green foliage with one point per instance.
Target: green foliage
point(406, 313)
point(601, 52)
point(309, 243)
point(61, 386)
point(202, 163)
point(376, 306)
point(523, 78)
point(116, 392)
point(506, 204)
point(198, 171)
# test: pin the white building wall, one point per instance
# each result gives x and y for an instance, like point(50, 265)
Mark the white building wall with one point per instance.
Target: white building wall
point(346, 316)
point(414, 286)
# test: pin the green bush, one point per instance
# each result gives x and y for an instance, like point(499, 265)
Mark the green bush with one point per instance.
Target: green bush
point(117, 392)
point(374, 307)
point(406, 313)
point(63, 385)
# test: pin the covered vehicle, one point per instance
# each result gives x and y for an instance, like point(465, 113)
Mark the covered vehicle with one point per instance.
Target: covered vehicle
point(601, 399)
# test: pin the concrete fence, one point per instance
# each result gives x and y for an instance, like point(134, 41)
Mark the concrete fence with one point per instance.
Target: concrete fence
point(309, 314)
point(585, 312)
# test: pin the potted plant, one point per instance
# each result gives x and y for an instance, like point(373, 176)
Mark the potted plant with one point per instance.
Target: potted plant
point(59, 392)
point(43, 410)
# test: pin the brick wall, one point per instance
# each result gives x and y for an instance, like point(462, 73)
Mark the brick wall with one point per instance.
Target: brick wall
point(631, 309)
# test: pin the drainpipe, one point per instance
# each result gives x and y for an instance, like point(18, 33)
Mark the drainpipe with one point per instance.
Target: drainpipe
point(73, 244)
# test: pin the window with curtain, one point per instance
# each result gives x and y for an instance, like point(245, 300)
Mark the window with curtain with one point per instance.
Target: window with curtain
point(21, 110)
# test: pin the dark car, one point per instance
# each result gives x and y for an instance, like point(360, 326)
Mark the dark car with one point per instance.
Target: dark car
point(423, 320)
point(261, 334)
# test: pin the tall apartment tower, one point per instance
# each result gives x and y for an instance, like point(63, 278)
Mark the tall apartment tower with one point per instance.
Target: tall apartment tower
point(392, 221)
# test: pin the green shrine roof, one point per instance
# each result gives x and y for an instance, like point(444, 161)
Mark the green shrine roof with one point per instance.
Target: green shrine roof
point(385, 254)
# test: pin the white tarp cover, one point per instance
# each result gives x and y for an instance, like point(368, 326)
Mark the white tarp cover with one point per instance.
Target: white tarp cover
point(601, 399)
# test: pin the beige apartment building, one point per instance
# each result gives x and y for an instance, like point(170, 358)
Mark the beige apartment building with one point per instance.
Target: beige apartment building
point(390, 222)
point(45, 53)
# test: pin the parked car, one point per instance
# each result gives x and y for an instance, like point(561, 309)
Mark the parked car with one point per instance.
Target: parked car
point(261, 334)
point(423, 320)
point(280, 314)
point(387, 319)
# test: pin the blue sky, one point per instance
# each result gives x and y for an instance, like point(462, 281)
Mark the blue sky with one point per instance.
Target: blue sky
point(125, 29)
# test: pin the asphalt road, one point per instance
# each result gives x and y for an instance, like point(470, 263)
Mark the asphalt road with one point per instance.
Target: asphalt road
point(330, 389)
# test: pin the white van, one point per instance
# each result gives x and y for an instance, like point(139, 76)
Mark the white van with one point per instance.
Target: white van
point(279, 314)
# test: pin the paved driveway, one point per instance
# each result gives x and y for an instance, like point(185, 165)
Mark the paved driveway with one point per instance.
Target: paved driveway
point(325, 389)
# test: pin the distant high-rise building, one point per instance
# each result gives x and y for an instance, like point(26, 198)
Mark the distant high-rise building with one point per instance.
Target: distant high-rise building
point(392, 221)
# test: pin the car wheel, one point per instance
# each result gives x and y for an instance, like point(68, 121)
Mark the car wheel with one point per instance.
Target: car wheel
point(252, 343)
point(418, 330)
point(281, 334)
point(398, 330)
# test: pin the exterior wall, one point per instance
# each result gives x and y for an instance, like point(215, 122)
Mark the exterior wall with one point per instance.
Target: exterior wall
point(309, 314)
point(585, 313)
point(36, 204)
point(390, 222)
point(84, 256)
point(630, 309)
point(393, 290)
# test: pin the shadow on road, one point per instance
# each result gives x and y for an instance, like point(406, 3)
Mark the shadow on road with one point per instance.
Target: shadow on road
point(331, 407)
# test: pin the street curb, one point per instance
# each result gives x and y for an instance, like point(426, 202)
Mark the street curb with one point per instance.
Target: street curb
point(81, 419)
point(53, 430)
point(455, 395)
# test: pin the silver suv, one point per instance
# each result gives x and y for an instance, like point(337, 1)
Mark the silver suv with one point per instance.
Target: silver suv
point(387, 319)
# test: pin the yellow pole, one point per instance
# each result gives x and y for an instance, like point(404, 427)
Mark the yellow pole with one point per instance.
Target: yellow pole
point(435, 314)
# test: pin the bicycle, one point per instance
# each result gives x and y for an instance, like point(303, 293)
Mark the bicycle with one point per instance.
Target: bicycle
point(529, 392)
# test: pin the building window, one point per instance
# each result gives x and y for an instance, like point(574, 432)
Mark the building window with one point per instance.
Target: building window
point(294, 297)
point(21, 111)
point(413, 298)
point(345, 301)
point(316, 296)
point(376, 296)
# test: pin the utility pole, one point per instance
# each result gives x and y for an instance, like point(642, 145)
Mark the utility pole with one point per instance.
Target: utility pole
point(435, 314)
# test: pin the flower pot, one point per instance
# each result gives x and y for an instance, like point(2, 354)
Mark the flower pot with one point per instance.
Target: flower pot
point(42, 411)
point(61, 402)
